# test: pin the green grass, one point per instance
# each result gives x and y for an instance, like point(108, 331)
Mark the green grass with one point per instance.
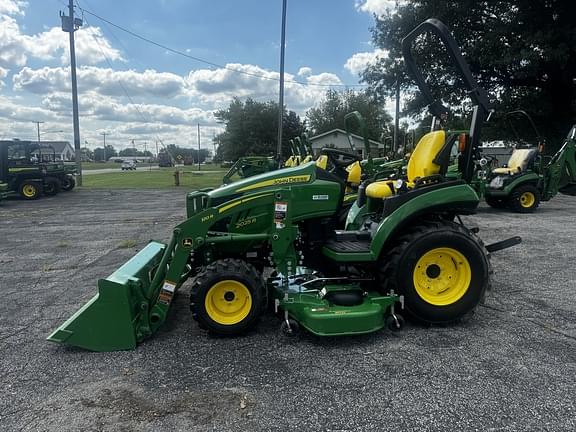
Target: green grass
point(155, 179)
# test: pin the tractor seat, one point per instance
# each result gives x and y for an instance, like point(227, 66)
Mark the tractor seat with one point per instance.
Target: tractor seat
point(353, 171)
point(518, 162)
point(420, 165)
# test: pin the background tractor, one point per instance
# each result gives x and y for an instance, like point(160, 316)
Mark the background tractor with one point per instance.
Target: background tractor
point(272, 239)
point(31, 170)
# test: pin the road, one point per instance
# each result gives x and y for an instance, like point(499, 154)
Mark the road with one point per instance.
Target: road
point(113, 170)
point(510, 368)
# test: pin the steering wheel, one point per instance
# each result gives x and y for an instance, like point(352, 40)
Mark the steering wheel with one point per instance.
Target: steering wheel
point(339, 160)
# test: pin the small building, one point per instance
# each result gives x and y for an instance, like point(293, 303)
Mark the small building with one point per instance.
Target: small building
point(338, 139)
point(63, 151)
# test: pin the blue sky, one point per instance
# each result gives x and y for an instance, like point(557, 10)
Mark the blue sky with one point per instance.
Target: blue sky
point(328, 43)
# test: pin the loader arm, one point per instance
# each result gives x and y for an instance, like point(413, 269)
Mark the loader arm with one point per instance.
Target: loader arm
point(560, 173)
point(133, 302)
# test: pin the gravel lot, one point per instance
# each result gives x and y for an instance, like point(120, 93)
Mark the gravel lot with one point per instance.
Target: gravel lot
point(512, 367)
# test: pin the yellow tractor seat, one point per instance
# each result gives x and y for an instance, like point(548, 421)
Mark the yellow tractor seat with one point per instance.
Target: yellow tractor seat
point(322, 162)
point(421, 164)
point(354, 174)
point(518, 162)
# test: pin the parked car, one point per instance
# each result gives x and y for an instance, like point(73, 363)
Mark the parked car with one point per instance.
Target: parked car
point(128, 165)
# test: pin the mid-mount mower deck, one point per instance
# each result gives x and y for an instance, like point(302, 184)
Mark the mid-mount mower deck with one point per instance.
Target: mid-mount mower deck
point(404, 246)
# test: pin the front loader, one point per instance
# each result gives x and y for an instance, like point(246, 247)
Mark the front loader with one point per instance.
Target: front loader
point(272, 240)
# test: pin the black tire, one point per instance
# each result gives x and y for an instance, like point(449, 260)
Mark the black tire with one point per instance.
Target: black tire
point(497, 203)
point(428, 254)
point(30, 190)
point(52, 186)
point(243, 282)
point(68, 183)
point(524, 199)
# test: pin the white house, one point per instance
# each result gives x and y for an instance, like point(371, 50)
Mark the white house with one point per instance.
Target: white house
point(338, 138)
point(62, 149)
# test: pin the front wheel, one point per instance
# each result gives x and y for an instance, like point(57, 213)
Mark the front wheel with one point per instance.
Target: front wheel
point(30, 190)
point(228, 297)
point(440, 268)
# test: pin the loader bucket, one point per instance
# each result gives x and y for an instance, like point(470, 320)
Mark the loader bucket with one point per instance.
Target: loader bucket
point(110, 320)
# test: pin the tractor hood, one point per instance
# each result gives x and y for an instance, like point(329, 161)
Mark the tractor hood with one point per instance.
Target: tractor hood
point(301, 174)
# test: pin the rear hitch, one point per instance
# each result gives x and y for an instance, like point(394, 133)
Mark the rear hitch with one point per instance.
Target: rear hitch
point(504, 244)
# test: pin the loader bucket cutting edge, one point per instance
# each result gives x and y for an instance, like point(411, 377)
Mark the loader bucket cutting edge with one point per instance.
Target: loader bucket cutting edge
point(107, 322)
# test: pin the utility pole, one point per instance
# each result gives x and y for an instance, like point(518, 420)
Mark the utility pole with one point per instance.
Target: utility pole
point(397, 116)
point(104, 135)
point(281, 97)
point(70, 25)
point(38, 128)
point(198, 146)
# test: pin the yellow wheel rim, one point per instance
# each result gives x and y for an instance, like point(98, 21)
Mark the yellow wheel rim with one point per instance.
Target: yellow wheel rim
point(442, 276)
point(527, 199)
point(228, 302)
point(29, 191)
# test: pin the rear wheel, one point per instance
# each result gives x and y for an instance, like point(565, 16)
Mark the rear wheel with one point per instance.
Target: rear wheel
point(30, 190)
point(68, 183)
point(440, 268)
point(51, 186)
point(525, 199)
point(496, 203)
point(228, 297)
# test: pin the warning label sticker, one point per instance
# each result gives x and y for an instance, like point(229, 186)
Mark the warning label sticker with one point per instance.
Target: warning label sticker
point(167, 292)
point(280, 210)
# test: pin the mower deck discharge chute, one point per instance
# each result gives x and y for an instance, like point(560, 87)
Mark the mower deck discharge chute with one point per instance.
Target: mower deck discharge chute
point(402, 249)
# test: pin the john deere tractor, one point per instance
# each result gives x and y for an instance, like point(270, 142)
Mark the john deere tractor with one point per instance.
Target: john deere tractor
point(530, 177)
point(271, 240)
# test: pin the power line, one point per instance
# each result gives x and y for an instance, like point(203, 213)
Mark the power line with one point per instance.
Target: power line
point(201, 60)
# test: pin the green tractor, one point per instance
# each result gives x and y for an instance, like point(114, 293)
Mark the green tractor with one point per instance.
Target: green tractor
point(31, 170)
point(530, 177)
point(271, 240)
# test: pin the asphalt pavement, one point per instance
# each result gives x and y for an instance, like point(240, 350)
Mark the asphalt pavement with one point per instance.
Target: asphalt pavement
point(512, 367)
point(114, 170)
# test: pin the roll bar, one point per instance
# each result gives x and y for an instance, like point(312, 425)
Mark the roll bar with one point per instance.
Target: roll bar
point(482, 106)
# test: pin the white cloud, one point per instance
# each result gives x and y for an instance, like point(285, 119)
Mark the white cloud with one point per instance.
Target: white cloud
point(101, 80)
point(378, 7)
point(15, 47)
point(220, 85)
point(12, 7)
point(359, 61)
point(304, 71)
point(98, 107)
point(3, 74)
point(17, 112)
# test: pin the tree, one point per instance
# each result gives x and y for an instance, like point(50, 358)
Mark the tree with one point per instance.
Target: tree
point(331, 111)
point(251, 129)
point(99, 153)
point(522, 51)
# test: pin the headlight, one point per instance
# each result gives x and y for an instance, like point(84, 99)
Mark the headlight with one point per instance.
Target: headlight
point(497, 182)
